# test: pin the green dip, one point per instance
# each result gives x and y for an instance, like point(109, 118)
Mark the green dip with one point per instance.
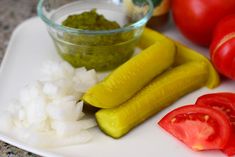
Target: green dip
point(90, 20)
point(95, 51)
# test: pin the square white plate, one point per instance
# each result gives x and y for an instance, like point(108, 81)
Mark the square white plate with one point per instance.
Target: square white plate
point(30, 46)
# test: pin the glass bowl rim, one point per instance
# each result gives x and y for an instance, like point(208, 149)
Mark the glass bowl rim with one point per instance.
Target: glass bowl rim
point(133, 26)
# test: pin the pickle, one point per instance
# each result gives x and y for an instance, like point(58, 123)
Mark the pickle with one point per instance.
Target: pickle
point(149, 37)
point(132, 76)
point(158, 94)
point(183, 54)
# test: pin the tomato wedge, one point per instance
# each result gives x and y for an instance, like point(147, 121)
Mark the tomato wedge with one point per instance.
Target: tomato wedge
point(230, 147)
point(200, 128)
point(221, 101)
point(224, 102)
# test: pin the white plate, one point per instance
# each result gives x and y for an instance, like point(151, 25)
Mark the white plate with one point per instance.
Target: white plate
point(30, 46)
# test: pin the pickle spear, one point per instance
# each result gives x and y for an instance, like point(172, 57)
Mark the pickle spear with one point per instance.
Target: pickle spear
point(132, 76)
point(158, 94)
point(183, 54)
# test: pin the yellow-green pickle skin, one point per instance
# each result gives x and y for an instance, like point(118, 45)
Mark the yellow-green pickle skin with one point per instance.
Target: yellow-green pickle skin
point(158, 94)
point(126, 80)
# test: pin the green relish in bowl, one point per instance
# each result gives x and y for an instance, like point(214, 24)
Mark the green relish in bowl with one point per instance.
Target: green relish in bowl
point(96, 34)
point(100, 52)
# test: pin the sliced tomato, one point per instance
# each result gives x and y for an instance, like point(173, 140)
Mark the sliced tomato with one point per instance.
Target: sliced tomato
point(200, 128)
point(224, 102)
point(230, 147)
point(221, 101)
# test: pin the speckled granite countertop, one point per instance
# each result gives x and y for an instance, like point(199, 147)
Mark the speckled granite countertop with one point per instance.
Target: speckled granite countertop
point(12, 13)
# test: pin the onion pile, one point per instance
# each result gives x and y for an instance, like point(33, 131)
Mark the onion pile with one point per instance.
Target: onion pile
point(48, 112)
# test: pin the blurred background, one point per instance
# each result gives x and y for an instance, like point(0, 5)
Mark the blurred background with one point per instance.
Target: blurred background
point(12, 13)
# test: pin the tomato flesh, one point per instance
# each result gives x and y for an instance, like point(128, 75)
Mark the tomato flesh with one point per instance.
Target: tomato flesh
point(230, 147)
point(224, 102)
point(221, 101)
point(200, 128)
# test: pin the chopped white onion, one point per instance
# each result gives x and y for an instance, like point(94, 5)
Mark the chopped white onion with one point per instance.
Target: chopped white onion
point(50, 109)
point(84, 80)
point(65, 128)
point(63, 109)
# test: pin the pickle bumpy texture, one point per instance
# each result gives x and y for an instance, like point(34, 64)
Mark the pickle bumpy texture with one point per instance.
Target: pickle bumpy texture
point(129, 78)
point(160, 93)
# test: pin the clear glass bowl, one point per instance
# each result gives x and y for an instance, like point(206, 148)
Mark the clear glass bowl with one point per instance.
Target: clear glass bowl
point(100, 50)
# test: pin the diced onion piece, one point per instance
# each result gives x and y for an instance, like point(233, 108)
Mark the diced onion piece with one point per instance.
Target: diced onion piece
point(63, 109)
point(50, 110)
point(84, 80)
point(65, 128)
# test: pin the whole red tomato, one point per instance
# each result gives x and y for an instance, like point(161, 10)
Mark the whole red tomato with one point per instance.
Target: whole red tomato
point(222, 49)
point(196, 19)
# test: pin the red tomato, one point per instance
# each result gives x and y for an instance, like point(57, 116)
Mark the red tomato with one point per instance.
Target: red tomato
point(224, 27)
point(230, 147)
point(200, 128)
point(222, 49)
point(196, 19)
point(224, 102)
point(224, 59)
point(221, 101)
